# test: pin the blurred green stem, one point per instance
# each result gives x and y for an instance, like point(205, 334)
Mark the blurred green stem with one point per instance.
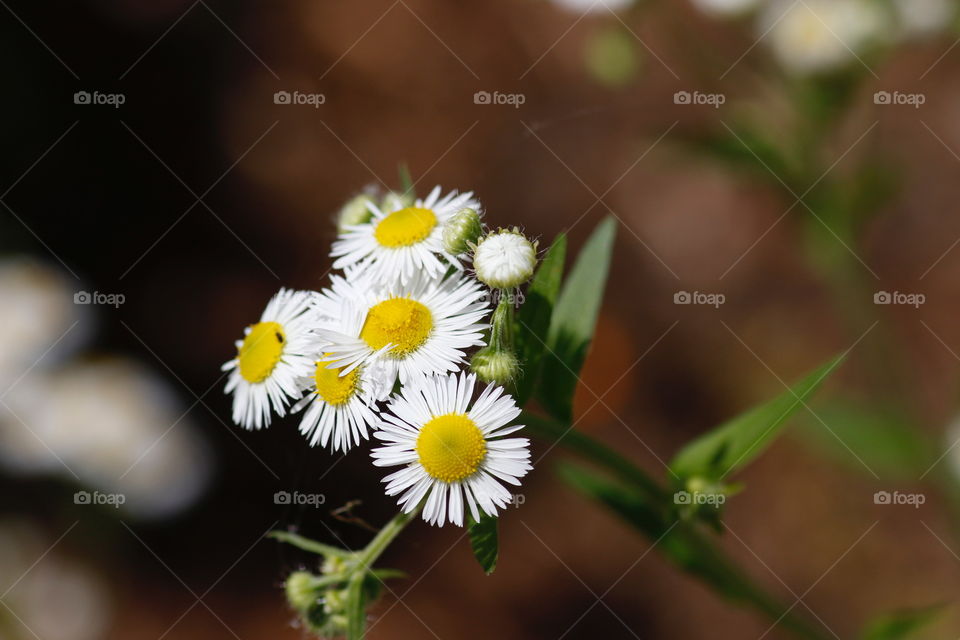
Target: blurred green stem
point(674, 537)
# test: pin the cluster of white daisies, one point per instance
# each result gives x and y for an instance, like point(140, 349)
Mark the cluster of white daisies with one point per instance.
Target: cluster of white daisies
point(383, 349)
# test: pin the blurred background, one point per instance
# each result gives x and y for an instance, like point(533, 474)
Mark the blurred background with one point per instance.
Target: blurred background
point(167, 165)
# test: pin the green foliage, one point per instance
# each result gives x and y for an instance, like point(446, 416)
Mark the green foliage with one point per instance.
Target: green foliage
point(306, 544)
point(901, 625)
point(732, 445)
point(533, 318)
point(883, 439)
point(356, 607)
point(611, 56)
point(574, 321)
point(683, 544)
point(484, 541)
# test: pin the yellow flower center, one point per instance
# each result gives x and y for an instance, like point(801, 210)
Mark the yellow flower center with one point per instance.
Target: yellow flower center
point(451, 447)
point(402, 322)
point(261, 351)
point(405, 227)
point(333, 388)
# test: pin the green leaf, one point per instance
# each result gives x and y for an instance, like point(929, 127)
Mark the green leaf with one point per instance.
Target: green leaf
point(484, 542)
point(406, 182)
point(684, 545)
point(533, 318)
point(308, 545)
point(737, 442)
point(574, 321)
point(885, 440)
point(746, 150)
point(901, 624)
point(356, 606)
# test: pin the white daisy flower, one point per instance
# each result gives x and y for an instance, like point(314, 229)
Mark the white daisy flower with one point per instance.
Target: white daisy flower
point(340, 403)
point(273, 356)
point(402, 240)
point(421, 327)
point(452, 454)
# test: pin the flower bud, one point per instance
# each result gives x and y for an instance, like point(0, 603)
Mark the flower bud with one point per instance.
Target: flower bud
point(301, 590)
point(504, 259)
point(493, 366)
point(461, 231)
point(394, 201)
point(355, 211)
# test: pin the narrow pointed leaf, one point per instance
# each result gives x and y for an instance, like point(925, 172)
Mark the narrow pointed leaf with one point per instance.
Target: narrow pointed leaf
point(533, 318)
point(574, 321)
point(734, 444)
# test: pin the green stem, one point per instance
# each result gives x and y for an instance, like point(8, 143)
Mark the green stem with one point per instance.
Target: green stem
point(307, 544)
point(501, 324)
point(382, 540)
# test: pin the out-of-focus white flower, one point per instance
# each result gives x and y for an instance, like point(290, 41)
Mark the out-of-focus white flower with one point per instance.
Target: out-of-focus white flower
point(39, 317)
point(919, 18)
point(821, 35)
point(56, 599)
point(114, 425)
point(354, 211)
point(592, 6)
point(725, 8)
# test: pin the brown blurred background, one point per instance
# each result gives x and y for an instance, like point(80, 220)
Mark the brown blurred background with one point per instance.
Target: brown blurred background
point(200, 196)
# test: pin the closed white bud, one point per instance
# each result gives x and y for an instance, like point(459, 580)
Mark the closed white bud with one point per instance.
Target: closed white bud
point(504, 259)
point(461, 231)
point(355, 211)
